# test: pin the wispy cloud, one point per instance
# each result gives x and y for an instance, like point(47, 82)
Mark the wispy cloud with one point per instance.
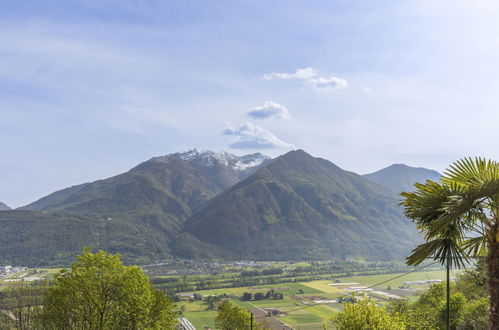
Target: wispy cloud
point(250, 136)
point(269, 109)
point(309, 76)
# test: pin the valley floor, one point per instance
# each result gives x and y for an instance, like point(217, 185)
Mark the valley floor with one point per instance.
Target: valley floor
point(308, 305)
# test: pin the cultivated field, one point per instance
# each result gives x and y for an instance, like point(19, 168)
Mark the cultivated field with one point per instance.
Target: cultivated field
point(301, 306)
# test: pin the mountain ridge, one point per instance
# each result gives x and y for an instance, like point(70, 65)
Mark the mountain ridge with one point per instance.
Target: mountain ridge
point(4, 207)
point(193, 165)
point(401, 177)
point(201, 204)
point(304, 200)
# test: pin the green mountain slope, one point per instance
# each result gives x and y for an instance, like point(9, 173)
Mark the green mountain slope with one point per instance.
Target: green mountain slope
point(35, 238)
point(299, 207)
point(400, 177)
point(147, 205)
point(165, 189)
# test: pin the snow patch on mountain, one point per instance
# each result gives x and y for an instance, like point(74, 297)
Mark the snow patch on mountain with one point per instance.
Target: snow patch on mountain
point(209, 158)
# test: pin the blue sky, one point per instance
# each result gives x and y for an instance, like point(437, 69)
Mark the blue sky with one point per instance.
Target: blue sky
point(88, 89)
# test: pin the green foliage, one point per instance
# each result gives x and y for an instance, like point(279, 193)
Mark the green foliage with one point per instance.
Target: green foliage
point(271, 295)
point(20, 305)
point(475, 315)
point(99, 292)
point(364, 314)
point(231, 317)
point(247, 296)
point(313, 200)
point(37, 238)
point(468, 310)
point(473, 283)
point(420, 319)
point(457, 306)
point(289, 209)
point(433, 297)
point(458, 216)
point(137, 213)
point(447, 211)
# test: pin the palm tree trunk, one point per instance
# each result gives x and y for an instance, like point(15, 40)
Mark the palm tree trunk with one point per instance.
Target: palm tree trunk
point(493, 272)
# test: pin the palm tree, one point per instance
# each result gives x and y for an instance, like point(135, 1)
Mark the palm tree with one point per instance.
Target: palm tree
point(459, 219)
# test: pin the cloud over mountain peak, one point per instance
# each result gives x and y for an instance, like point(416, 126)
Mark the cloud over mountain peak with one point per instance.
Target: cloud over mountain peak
point(251, 136)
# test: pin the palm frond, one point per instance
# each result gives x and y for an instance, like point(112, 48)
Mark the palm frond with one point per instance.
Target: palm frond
point(475, 246)
point(442, 250)
point(463, 201)
point(471, 171)
point(424, 204)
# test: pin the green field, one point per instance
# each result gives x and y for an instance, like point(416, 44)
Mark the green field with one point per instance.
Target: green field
point(202, 319)
point(300, 312)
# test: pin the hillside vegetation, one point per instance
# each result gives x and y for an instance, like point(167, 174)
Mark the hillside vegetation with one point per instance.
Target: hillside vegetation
point(207, 205)
point(300, 207)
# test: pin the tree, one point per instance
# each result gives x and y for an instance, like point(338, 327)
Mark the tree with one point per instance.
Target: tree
point(212, 301)
point(270, 294)
point(20, 306)
point(247, 296)
point(231, 317)
point(459, 218)
point(366, 315)
point(99, 292)
point(429, 311)
point(457, 305)
point(475, 314)
point(473, 282)
point(259, 296)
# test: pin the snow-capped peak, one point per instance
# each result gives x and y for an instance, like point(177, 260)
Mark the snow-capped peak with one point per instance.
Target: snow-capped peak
point(209, 158)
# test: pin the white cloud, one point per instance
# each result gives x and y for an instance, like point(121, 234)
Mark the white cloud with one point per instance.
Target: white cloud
point(269, 109)
point(250, 136)
point(304, 74)
point(311, 77)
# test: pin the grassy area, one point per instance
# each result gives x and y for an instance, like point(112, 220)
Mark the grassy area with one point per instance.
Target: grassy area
point(395, 283)
point(202, 319)
point(300, 312)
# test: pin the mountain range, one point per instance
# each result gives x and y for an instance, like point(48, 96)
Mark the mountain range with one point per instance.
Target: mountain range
point(214, 205)
point(300, 207)
point(4, 207)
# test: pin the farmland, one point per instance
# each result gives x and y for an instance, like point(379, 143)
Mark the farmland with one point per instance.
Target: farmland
point(302, 295)
point(300, 307)
point(27, 275)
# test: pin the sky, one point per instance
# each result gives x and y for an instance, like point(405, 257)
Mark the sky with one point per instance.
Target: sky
point(91, 88)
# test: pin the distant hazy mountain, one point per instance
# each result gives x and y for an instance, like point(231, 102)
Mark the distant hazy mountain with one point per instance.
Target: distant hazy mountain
point(299, 207)
point(4, 207)
point(400, 177)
